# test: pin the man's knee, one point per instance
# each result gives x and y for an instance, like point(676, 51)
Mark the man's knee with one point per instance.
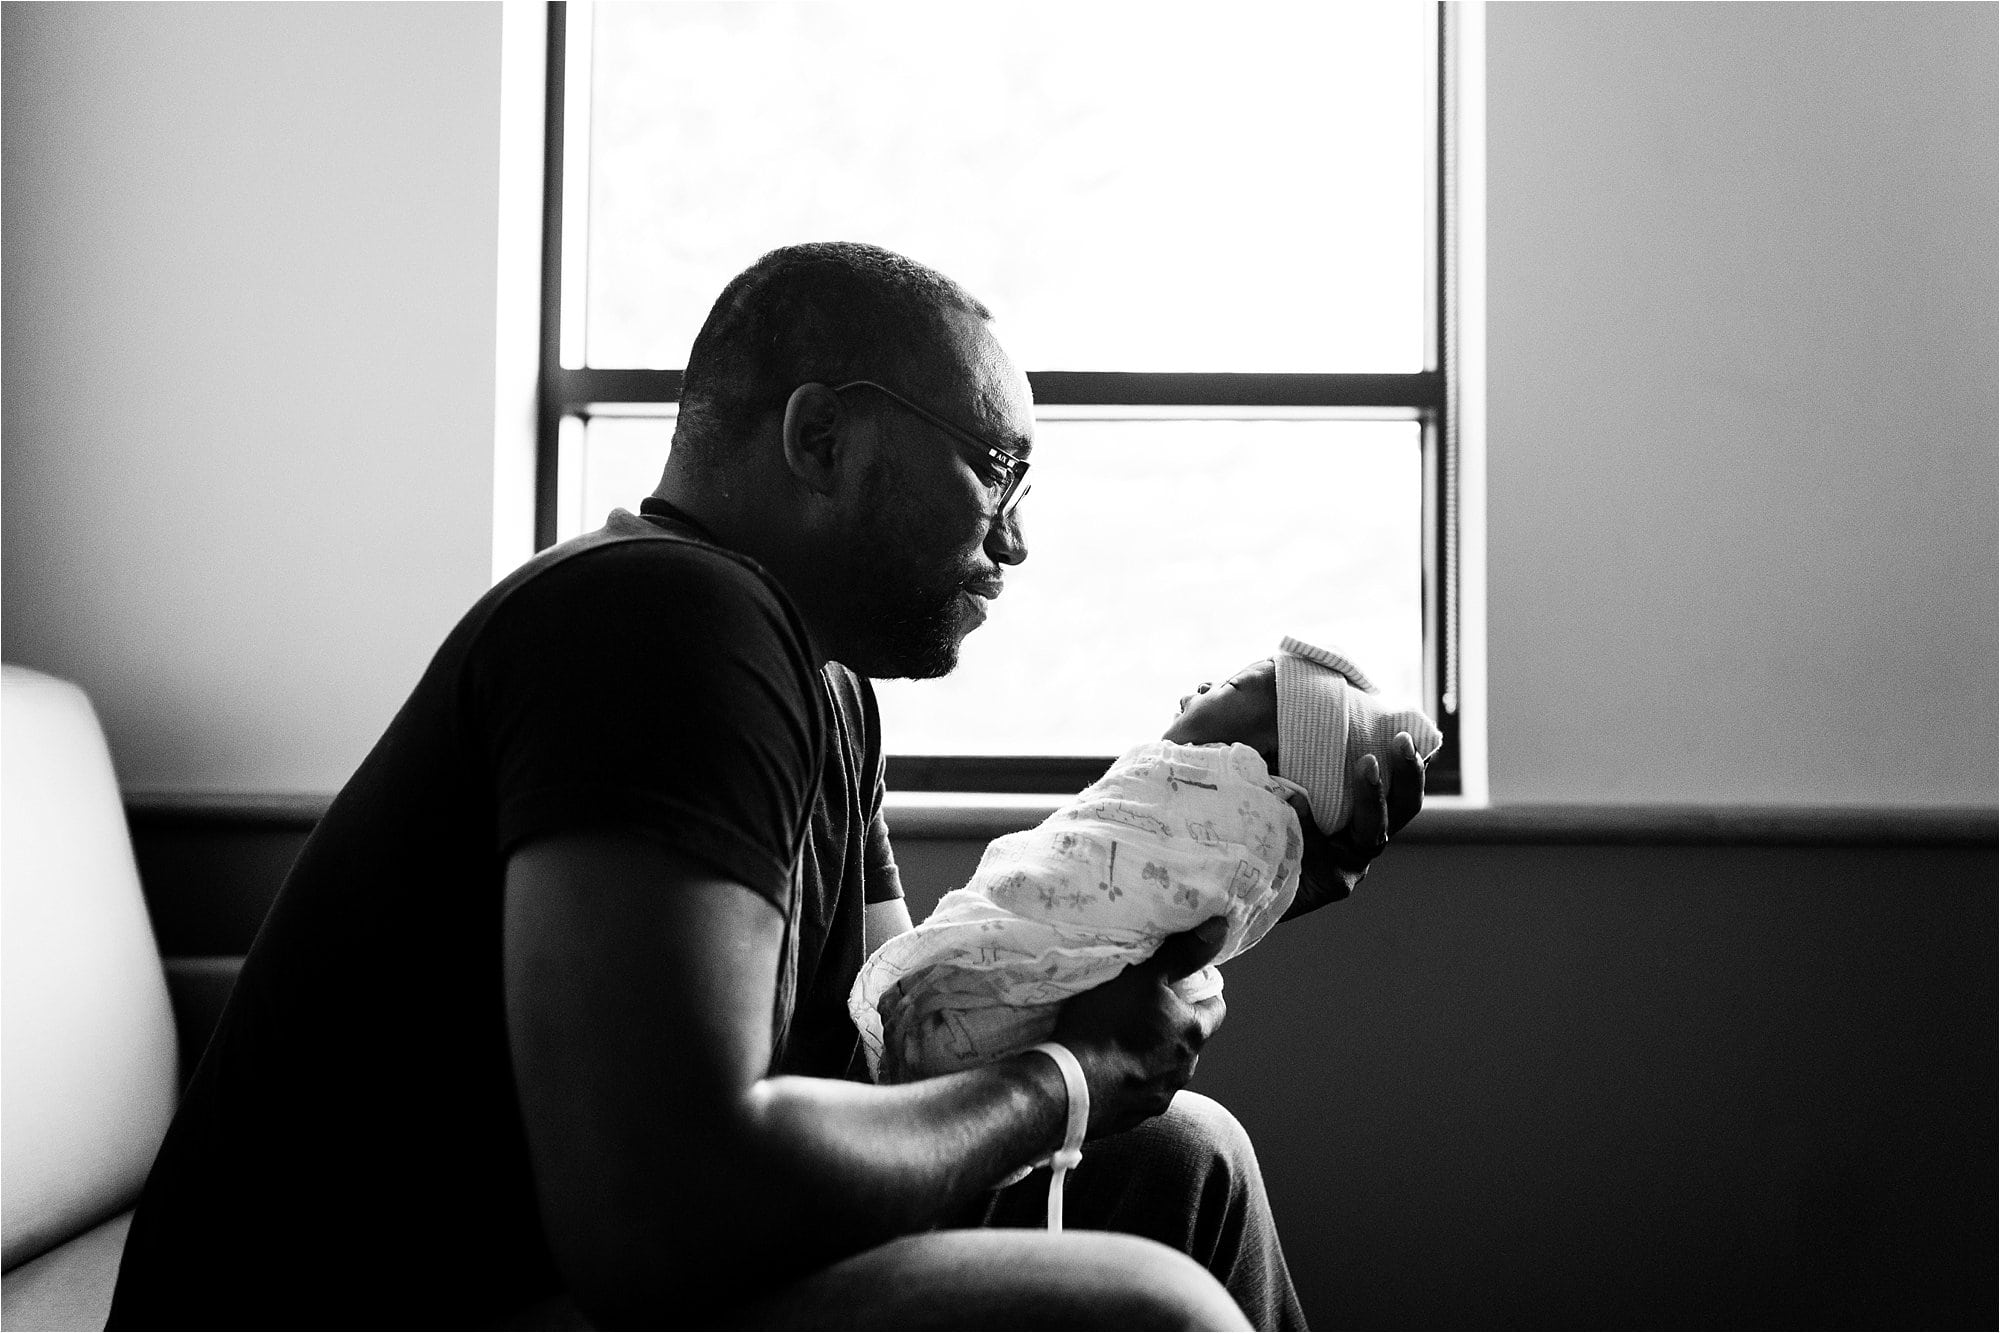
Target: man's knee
point(1204, 1124)
point(1198, 1139)
point(1192, 1159)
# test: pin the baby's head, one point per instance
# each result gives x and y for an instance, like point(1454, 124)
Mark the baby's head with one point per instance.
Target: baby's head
point(1312, 715)
point(1243, 708)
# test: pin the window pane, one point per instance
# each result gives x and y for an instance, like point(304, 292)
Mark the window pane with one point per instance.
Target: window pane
point(1155, 188)
point(1167, 552)
point(619, 466)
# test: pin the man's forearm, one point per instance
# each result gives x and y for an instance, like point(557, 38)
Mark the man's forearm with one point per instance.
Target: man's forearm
point(858, 1164)
point(805, 1172)
point(639, 1004)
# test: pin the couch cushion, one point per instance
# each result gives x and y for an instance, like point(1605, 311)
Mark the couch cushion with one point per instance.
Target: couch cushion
point(70, 1286)
point(86, 1034)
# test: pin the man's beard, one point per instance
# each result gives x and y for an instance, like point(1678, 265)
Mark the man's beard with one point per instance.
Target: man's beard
point(904, 625)
point(911, 632)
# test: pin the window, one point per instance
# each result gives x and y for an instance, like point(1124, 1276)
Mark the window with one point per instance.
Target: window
point(1217, 239)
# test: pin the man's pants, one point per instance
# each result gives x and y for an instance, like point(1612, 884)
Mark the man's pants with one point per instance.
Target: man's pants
point(1187, 1180)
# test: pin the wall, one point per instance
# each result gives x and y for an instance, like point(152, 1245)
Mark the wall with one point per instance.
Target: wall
point(1741, 403)
point(249, 368)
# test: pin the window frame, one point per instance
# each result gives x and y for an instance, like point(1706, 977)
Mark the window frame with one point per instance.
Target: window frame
point(1430, 396)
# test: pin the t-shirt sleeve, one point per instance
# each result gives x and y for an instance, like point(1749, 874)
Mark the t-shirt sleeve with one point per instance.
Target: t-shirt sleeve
point(655, 688)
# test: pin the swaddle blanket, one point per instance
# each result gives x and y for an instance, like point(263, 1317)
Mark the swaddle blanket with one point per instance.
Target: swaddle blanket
point(1169, 837)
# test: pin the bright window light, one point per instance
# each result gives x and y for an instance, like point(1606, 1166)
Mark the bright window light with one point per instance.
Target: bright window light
point(1166, 187)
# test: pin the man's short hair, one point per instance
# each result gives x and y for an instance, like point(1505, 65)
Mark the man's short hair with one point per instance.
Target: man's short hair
point(825, 311)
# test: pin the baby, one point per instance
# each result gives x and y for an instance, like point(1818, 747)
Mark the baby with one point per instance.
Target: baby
point(1192, 826)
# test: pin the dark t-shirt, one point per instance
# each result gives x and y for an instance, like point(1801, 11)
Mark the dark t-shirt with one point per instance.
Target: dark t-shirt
point(350, 1152)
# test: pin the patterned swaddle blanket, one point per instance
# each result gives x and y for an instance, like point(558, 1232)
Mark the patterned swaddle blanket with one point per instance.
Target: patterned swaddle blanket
point(1170, 836)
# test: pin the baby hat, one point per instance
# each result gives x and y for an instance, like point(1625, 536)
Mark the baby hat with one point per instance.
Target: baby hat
point(1329, 715)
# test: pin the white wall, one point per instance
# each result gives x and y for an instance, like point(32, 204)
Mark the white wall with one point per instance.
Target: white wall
point(1741, 431)
point(1742, 387)
point(249, 379)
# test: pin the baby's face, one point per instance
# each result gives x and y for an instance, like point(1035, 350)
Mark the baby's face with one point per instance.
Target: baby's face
point(1244, 708)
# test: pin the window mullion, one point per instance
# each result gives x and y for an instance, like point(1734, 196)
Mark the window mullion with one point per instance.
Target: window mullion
point(575, 390)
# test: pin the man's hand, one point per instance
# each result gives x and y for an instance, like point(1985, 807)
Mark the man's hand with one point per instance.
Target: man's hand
point(1334, 865)
point(1138, 1040)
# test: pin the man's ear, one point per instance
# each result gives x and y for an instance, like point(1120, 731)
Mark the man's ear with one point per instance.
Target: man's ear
point(811, 435)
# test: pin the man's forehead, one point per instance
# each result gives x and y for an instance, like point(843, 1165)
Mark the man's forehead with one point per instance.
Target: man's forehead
point(1009, 420)
point(1002, 405)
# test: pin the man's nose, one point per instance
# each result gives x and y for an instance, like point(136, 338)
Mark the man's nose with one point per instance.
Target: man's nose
point(1005, 543)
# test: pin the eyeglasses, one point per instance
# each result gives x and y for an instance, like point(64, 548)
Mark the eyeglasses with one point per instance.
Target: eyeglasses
point(1012, 468)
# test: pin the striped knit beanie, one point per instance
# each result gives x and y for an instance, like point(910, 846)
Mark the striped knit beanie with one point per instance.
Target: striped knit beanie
point(1329, 715)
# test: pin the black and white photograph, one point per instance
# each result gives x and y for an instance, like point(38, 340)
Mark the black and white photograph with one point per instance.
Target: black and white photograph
point(1000, 664)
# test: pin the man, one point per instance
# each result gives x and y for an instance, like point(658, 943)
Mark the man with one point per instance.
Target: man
point(549, 1016)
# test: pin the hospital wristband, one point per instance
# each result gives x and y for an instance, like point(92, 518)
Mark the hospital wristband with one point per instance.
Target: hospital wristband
point(1071, 1152)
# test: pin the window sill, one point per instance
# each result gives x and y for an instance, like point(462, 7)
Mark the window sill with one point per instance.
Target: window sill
point(1451, 820)
point(1446, 820)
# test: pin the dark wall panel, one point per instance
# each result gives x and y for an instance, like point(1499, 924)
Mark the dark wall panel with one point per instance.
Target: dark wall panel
point(209, 886)
point(1625, 1087)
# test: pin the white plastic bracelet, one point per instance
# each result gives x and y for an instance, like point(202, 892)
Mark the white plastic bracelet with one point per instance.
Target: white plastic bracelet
point(1079, 1120)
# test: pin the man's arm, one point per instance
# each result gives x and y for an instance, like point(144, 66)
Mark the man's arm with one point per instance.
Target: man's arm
point(639, 993)
point(882, 922)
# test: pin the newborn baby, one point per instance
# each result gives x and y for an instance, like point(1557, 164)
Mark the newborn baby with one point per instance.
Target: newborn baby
point(1179, 830)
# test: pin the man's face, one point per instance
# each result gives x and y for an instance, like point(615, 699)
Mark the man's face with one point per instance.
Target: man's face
point(929, 550)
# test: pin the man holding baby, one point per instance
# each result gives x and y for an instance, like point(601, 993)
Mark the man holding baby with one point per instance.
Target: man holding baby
point(609, 876)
